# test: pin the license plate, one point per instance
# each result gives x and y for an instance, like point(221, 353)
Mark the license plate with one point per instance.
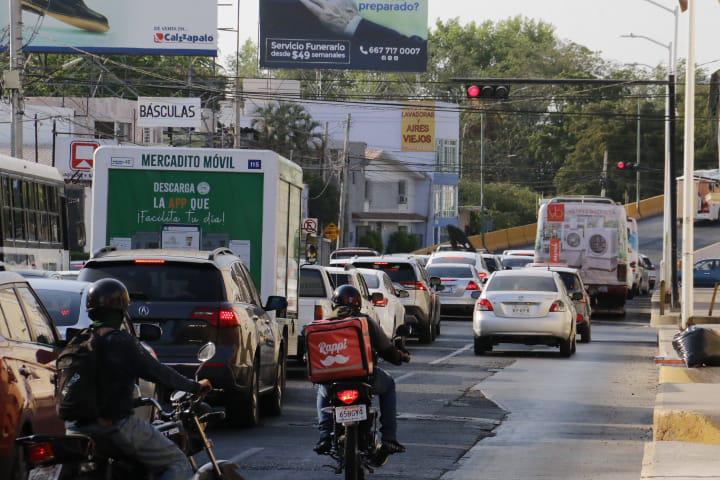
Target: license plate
point(521, 310)
point(351, 414)
point(45, 473)
point(447, 291)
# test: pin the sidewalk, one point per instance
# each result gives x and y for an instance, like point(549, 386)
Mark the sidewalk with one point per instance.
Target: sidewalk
point(686, 419)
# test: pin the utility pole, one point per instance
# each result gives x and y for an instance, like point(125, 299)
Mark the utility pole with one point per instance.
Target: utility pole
point(343, 187)
point(238, 97)
point(482, 165)
point(637, 158)
point(687, 302)
point(672, 135)
point(603, 178)
point(13, 79)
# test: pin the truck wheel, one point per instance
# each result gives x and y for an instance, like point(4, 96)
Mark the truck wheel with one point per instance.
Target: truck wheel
point(274, 401)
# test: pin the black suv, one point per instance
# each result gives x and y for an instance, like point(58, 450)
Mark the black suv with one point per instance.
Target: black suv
point(198, 297)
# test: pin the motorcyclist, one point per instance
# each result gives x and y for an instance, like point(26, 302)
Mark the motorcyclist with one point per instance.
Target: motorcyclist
point(121, 360)
point(347, 302)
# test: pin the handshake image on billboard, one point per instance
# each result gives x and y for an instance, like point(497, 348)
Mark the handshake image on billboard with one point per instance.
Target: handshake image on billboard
point(71, 12)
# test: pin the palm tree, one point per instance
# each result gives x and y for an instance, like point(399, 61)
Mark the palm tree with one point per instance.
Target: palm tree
point(288, 129)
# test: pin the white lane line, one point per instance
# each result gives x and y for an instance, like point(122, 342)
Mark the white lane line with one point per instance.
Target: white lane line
point(457, 352)
point(403, 377)
point(246, 454)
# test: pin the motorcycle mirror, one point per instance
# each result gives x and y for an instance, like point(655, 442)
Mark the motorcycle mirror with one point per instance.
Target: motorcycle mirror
point(177, 396)
point(206, 352)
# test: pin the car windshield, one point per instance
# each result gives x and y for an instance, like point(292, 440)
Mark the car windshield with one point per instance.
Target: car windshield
point(516, 262)
point(514, 283)
point(441, 260)
point(372, 280)
point(449, 272)
point(63, 306)
point(398, 272)
point(168, 282)
point(491, 264)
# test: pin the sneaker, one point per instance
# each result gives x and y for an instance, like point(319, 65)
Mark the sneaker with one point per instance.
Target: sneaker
point(391, 447)
point(323, 447)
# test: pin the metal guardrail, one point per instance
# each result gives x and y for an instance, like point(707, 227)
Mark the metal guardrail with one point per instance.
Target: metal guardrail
point(712, 301)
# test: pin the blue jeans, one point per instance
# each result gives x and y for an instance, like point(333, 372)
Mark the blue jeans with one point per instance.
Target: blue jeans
point(138, 439)
point(384, 386)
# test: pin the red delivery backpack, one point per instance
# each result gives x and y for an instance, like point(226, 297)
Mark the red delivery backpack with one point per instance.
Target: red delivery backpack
point(338, 349)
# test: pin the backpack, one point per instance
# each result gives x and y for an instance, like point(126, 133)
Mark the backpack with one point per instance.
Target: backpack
point(77, 378)
point(338, 349)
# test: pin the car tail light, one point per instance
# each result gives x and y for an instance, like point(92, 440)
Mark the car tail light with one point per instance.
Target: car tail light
point(484, 305)
point(557, 306)
point(319, 312)
point(414, 285)
point(40, 453)
point(348, 397)
point(472, 286)
point(149, 261)
point(579, 318)
point(222, 318)
point(381, 303)
point(482, 275)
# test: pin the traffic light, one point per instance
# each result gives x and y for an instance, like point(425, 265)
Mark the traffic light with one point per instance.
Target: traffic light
point(623, 166)
point(488, 92)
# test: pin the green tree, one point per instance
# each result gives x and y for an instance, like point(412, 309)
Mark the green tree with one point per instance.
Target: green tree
point(288, 129)
point(247, 59)
point(372, 239)
point(505, 205)
point(402, 242)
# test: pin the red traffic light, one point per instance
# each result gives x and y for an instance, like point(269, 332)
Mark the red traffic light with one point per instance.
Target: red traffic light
point(621, 165)
point(473, 91)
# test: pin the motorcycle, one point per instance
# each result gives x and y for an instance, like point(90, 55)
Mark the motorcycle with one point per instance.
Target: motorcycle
point(83, 458)
point(355, 443)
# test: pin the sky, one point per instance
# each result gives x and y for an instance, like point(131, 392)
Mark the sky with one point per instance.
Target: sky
point(596, 24)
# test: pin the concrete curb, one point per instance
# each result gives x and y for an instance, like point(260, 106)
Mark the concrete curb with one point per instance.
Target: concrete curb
point(687, 413)
point(679, 460)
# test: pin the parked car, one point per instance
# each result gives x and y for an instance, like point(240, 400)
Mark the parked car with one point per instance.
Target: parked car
point(651, 270)
point(64, 300)
point(492, 262)
point(422, 307)
point(706, 273)
point(28, 348)
point(461, 287)
point(516, 262)
point(468, 258)
point(389, 310)
point(531, 307)
point(315, 303)
point(197, 297)
point(351, 252)
point(573, 283)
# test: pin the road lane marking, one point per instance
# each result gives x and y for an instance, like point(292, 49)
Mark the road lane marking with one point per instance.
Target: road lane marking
point(457, 352)
point(403, 377)
point(246, 454)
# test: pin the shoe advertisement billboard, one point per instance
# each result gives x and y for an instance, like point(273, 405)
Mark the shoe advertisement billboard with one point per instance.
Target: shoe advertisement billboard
point(141, 27)
point(382, 35)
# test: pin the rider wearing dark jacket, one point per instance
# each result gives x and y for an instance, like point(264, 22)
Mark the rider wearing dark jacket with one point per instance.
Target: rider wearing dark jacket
point(347, 302)
point(122, 360)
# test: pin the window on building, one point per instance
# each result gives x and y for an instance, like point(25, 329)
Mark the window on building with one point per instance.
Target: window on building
point(446, 156)
point(124, 131)
point(402, 192)
point(445, 201)
point(104, 129)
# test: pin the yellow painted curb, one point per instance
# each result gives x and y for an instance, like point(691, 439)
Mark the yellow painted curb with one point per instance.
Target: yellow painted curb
point(683, 426)
point(670, 374)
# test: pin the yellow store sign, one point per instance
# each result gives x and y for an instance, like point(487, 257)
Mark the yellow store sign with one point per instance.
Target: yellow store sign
point(418, 129)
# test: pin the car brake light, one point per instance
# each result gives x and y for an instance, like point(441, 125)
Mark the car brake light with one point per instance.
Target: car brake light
point(482, 275)
point(149, 261)
point(40, 453)
point(348, 396)
point(319, 312)
point(484, 305)
point(381, 303)
point(414, 285)
point(223, 318)
point(381, 263)
point(472, 286)
point(579, 318)
point(557, 306)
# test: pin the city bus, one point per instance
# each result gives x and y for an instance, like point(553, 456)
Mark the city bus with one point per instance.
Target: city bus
point(33, 226)
point(590, 234)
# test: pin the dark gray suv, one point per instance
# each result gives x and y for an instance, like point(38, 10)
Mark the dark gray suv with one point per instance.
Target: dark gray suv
point(198, 297)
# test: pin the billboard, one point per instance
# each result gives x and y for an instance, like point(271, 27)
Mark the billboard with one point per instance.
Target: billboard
point(384, 35)
point(418, 130)
point(157, 27)
point(74, 156)
point(169, 112)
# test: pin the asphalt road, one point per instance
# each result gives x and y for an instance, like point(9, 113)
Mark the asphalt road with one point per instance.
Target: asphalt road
point(650, 231)
point(585, 417)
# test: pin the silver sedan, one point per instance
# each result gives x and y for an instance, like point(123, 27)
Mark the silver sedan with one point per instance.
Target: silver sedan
point(527, 307)
point(461, 286)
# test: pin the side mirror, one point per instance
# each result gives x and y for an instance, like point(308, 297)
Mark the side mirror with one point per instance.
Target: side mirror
point(403, 330)
point(577, 296)
point(149, 332)
point(206, 352)
point(377, 299)
point(402, 293)
point(275, 303)
point(435, 282)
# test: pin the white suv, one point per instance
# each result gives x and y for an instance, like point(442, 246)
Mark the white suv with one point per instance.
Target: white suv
point(422, 306)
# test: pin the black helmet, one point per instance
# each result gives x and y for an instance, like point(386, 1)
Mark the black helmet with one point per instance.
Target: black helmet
point(107, 295)
point(347, 296)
